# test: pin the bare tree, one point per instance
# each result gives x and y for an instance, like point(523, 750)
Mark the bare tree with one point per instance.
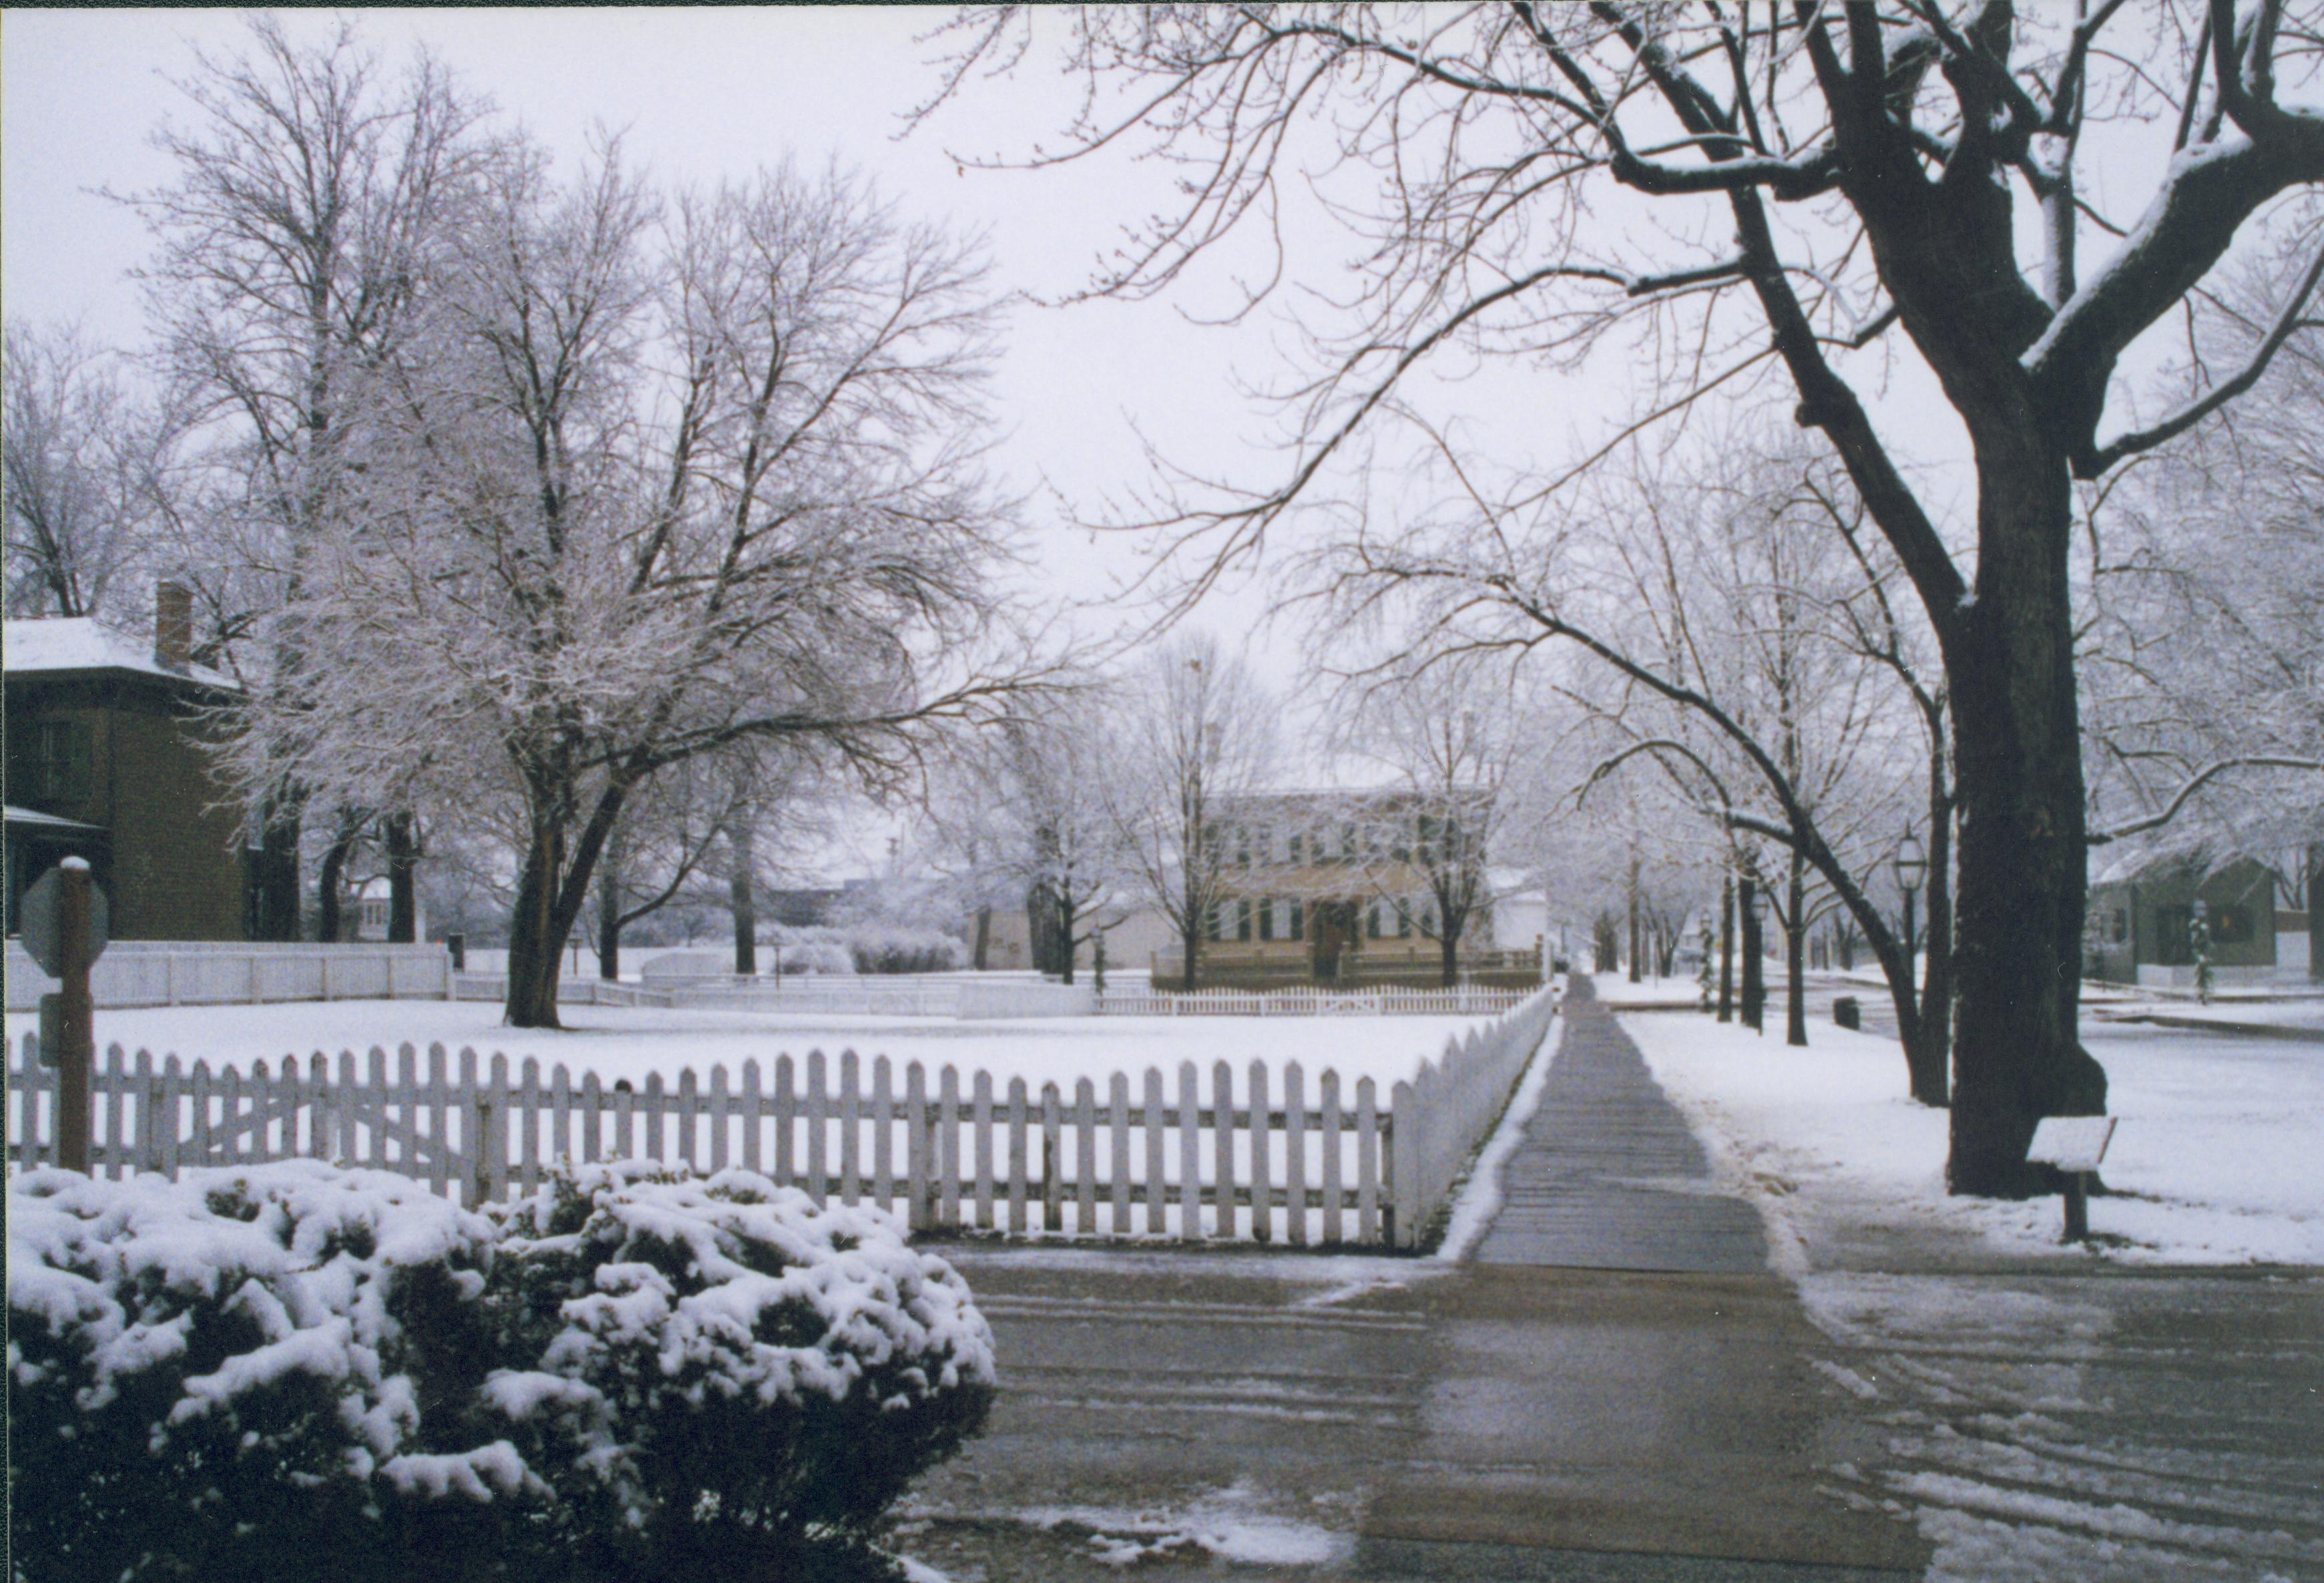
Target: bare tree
point(1460, 795)
point(311, 202)
point(1025, 819)
point(1729, 631)
point(659, 481)
point(1192, 744)
point(81, 468)
point(1803, 181)
point(2204, 670)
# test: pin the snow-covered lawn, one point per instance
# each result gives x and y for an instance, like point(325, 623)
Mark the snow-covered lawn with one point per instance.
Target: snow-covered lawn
point(617, 1042)
point(2216, 1159)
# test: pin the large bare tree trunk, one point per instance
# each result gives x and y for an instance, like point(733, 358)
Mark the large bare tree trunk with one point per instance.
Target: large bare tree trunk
point(402, 840)
point(278, 869)
point(536, 950)
point(1929, 1032)
point(2017, 1054)
point(331, 883)
point(1449, 962)
point(1795, 936)
point(1637, 965)
point(1727, 948)
point(609, 923)
point(741, 897)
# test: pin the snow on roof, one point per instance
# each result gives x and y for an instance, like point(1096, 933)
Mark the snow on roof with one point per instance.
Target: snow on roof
point(17, 815)
point(61, 643)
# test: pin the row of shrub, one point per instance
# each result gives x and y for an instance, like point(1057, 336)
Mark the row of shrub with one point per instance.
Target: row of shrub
point(868, 948)
point(297, 1370)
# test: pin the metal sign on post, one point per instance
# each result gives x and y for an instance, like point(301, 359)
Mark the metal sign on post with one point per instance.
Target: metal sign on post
point(64, 920)
point(2074, 1144)
point(38, 915)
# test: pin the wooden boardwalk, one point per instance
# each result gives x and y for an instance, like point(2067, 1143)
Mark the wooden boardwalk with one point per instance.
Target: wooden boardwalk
point(1608, 1177)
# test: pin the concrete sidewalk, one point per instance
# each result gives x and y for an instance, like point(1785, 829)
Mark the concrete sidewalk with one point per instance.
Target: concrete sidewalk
point(1613, 1389)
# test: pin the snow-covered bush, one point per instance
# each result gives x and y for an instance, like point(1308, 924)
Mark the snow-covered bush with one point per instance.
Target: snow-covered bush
point(265, 1372)
point(867, 946)
point(811, 948)
point(721, 1378)
point(230, 1374)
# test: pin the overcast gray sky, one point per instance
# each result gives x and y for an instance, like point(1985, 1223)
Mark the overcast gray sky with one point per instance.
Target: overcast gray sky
point(702, 93)
point(698, 95)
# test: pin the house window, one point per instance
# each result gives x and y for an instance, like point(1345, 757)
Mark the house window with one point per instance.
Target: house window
point(2230, 924)
point(51, 761)
point(1266, 919)
point(1403, 921)
point(1211, 919)
point(1348, 847)
point(1372, 921)
point(1242, 846)
point(2121, 924)
point(1297, 843)
point(1298, 930)
point(1243, 918)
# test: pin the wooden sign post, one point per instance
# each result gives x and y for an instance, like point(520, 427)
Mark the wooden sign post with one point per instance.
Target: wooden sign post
point(64, 931)
point(2075, 1145)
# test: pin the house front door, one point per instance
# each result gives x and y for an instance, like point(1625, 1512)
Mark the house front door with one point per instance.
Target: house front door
point(1335, 938)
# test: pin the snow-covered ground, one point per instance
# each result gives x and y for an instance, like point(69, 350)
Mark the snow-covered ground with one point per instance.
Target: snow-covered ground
point(2215, 1162)
point(617, 1042)
point(1616, 989)
point(2304, 1013)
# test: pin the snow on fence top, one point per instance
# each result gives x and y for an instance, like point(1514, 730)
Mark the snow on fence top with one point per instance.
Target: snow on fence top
point(1171, 1157)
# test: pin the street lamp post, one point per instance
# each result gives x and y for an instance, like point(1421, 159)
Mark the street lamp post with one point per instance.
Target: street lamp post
point(1911, 869)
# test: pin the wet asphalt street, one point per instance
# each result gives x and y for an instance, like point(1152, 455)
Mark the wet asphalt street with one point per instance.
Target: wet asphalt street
point(1613, 1389)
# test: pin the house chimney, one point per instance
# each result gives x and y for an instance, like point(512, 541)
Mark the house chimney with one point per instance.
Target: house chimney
point(173, 626)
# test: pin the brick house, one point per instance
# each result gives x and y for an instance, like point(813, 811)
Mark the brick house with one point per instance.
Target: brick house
point(104, 761)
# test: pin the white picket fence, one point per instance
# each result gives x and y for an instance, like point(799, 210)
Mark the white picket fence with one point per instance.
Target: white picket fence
point(959, 1152)
point(1464, 1001)
point(1449, 1108)
point(965, 999)
point(176, 972)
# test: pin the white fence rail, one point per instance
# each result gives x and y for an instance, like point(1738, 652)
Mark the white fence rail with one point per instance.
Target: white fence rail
point(1465, 1001)
point(153, 972)
point(965, 999)
point(1450, 1107)
point(1174, 1158)
point(570, 991)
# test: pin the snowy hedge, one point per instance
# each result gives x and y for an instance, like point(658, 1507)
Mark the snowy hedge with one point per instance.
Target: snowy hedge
point(632, 1375)
point(867, 947)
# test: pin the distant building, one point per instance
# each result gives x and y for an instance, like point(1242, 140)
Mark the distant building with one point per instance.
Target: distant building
point(364, 914)
point(2262, 918)
point(1134, 941)
point(106, 761)
point(1333, 887)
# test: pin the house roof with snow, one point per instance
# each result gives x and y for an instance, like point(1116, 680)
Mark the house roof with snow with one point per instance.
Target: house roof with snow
point(56, 645)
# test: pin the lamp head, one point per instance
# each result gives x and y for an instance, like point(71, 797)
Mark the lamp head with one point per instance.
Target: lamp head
point(1911, 862)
